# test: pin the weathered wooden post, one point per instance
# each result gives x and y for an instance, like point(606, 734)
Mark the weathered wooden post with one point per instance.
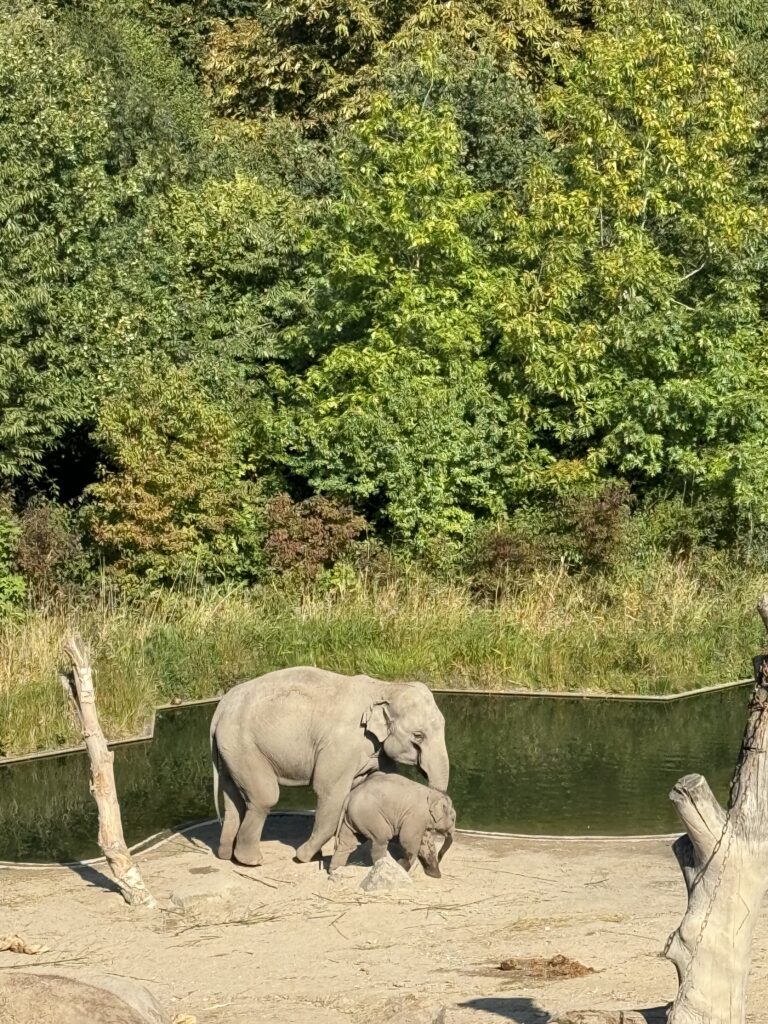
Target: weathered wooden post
point(79, 687)
point(724, 860)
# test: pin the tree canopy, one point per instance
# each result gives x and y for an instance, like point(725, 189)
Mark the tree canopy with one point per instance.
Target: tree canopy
point(444, 265)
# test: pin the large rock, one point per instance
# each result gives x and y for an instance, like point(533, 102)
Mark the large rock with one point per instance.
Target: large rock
point(63, 997)
point(384, 875)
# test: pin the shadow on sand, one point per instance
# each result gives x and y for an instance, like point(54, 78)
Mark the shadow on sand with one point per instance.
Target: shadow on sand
point(525, 1011)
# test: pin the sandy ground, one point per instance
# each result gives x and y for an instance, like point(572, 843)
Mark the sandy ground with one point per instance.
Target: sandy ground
point(282, 943)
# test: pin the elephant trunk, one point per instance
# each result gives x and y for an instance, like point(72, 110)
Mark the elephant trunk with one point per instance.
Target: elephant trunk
point(428, 856)
point(434, 763)
point(447, 844)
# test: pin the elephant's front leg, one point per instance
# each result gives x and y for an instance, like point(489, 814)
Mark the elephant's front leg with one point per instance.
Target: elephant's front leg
point(331, 793)
point(406, 863)
point(379, 850)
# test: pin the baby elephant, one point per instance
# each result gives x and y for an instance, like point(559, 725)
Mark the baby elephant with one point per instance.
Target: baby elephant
point(386, 806)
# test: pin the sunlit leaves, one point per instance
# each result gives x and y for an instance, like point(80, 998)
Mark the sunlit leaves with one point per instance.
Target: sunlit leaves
point(397, 406)
point(176, 499)
point(627, 284)
point(55, 195)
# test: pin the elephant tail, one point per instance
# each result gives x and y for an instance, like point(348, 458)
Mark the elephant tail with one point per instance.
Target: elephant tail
point(342, 815)
point(218, 767)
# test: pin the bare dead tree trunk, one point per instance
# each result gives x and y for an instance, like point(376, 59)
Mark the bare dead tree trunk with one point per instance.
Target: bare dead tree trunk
point(724, 860)
point(79, 686)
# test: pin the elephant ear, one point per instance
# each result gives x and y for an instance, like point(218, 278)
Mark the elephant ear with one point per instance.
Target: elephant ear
point(377, 720)
point(441, 811)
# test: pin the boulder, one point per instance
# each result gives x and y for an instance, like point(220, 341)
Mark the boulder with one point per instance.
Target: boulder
point(64, 997)
point(384, 875)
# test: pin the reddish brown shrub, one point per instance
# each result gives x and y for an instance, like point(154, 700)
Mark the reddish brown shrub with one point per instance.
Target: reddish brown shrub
point(598, 524)
point(48, 552)
point(500, 555)
point(308, 536)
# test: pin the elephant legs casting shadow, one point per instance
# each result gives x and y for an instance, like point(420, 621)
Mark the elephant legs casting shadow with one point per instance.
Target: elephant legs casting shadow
point(288, 829)
point(525, 1011)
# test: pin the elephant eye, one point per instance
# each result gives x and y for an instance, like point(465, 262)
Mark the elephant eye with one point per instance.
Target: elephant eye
point(418, 737)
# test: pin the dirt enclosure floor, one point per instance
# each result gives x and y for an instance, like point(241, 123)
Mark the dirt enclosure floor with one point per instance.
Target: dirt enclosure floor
point(281, 944)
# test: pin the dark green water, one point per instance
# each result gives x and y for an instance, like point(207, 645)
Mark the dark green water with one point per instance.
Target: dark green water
point(536, 765)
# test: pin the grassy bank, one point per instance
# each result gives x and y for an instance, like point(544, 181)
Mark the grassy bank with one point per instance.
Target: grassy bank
point(665, 629)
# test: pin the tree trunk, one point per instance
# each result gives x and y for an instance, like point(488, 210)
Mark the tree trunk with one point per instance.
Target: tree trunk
point(724, 860)
point(79, 686)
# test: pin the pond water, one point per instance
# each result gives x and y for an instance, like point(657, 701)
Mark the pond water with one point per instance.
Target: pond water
point(535, 765)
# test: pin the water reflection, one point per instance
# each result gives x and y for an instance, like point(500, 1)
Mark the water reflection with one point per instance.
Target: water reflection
point(536, 765)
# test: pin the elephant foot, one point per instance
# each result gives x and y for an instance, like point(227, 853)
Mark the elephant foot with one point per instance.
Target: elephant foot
point(225, 851)
point(305, 854)
point(433, 872)
point(254, 862)
point(305, 857)
point(249, 858)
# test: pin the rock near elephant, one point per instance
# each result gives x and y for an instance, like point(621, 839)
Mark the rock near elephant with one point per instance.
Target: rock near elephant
point(303, 726)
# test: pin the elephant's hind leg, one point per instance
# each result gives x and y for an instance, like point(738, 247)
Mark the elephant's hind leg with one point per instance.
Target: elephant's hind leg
point(346, 843)
point(234, 812)
point(261, 792)
point(331, 790)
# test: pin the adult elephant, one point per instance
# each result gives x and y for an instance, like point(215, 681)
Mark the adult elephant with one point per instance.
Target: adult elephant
point(304, 725)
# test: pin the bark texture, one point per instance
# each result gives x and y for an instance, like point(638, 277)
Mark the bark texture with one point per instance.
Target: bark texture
point(723, 859)
point(79, 686)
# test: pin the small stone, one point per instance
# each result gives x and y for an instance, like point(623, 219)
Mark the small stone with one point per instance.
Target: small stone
point(347, 874)
point(385, 874)
point(201, 897)
point(410, 1009)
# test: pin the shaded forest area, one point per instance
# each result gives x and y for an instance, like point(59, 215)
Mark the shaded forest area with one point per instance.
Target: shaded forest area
point(317, 293)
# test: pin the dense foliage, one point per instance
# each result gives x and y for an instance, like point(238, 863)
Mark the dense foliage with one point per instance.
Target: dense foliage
point(481, 282)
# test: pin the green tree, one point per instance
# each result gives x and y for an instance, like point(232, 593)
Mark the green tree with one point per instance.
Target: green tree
point(396, 407)
point(630, 335)
point(55, 196)
point(176, 497)
point(12, 586)
point(321, 60)
point(95, 121)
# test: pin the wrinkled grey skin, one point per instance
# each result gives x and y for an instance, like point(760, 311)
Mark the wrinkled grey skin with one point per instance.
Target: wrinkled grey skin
point(387, 806)
point(305, 725)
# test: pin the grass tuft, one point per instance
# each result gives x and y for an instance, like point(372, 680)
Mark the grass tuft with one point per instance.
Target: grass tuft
point(665, 628)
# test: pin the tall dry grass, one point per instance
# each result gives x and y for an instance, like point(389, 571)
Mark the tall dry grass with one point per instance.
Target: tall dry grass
point(663, 628)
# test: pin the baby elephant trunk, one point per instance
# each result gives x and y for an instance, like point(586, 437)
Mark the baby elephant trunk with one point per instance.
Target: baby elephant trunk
point(428, 856)
point(447, 844)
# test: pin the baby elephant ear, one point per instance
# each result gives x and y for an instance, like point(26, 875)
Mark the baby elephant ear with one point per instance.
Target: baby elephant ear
point(377, 720)
point(442, 812)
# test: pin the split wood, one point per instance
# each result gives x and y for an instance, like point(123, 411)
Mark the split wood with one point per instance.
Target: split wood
point(78, 684)
point(723, 859)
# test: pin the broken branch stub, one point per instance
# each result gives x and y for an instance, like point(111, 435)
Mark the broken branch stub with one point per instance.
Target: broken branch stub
point(79, 686)
point(722, 859)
